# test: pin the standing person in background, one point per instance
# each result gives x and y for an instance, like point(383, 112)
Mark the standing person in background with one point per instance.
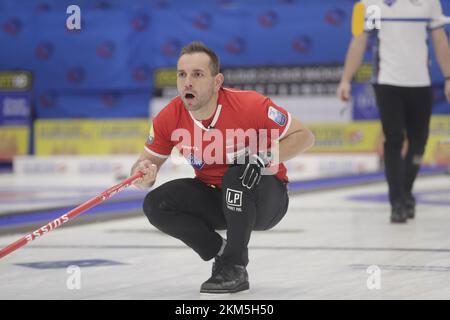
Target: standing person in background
point(402, 87)
point(230, 191)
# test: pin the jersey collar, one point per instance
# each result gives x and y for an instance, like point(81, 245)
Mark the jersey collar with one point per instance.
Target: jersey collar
point(213, 122)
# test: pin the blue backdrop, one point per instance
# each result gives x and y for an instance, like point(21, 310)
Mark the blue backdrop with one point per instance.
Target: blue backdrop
point(105, 69)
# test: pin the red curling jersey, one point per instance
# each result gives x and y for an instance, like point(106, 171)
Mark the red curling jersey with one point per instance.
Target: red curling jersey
point(208, 145)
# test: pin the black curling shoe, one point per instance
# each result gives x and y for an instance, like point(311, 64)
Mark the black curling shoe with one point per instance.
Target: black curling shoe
point(226, 278)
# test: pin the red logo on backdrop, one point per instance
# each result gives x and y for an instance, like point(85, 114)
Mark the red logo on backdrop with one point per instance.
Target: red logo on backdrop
point(44, 50)
point(103, 5)
point(75, 75)
point(268, 19)
point(225, 3)
point(235, 46)
point(12, 26)
point(106, 49)
point(302, 44)
point(48, 99)
point(171, 48)
point(335, 17)
point(141, 73)
point(140, 22)
point(202, 21)
point(286, 1)
point(161, 4)
point(43, 7)
point(110, 99)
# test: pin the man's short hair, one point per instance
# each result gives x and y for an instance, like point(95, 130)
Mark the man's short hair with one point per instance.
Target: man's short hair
point(197, 46)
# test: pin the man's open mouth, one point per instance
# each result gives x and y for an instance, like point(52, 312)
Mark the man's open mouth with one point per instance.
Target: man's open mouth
point(189, 96)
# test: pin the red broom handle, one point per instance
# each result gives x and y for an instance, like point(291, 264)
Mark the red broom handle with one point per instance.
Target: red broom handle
point(70, 215)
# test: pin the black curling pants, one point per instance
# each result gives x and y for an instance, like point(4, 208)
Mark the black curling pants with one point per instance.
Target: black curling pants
point(192, 211)
point(403, 110)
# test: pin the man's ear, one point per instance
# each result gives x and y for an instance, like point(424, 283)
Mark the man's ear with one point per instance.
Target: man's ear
point(219, 81)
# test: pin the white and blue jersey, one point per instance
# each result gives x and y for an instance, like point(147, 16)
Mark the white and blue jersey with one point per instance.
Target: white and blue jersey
point(401, 57)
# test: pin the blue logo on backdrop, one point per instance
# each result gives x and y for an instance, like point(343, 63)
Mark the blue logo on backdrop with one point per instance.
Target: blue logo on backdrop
point(14, 108)
point(364, 102)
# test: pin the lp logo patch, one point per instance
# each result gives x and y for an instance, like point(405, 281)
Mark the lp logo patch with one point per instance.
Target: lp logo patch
point(234, 200)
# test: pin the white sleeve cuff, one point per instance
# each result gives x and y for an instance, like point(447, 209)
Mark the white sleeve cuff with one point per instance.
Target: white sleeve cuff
point(156, 154)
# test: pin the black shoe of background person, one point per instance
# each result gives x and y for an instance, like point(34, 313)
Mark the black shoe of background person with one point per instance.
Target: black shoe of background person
point(398, 213)
point(410, 207)
point(226, 278)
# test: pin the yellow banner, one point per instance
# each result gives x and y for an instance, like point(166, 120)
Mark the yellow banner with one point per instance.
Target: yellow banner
point(438, 147)
point(354, 137)
point(103, 137)
point(367, 136)
point(90, 137)
point(13, 141)
point(165, 78)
